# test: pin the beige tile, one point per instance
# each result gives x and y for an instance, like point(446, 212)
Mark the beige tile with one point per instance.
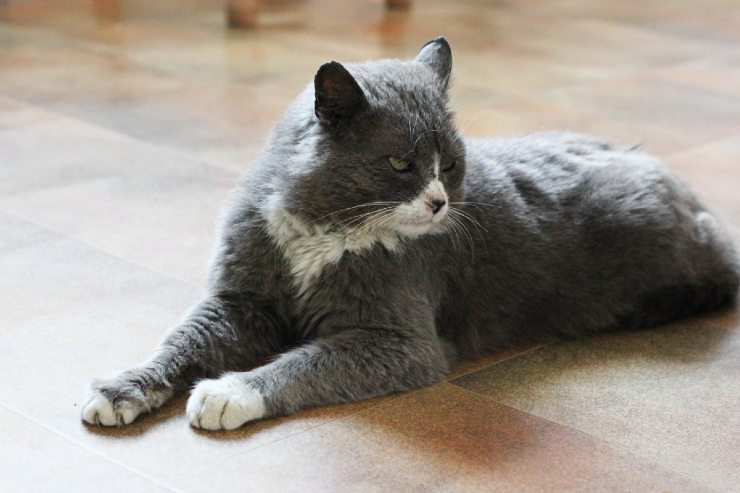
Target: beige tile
point(693, 114)
point(515, 116)
point(45, 273)
point(669, 394)
point(223, 124)
point(155, 208)
point(712, 170)
point(14, 113)
point(41, 72)
point(42, 461)
point(472, 365)
point(721, 75)
point(438, 439)
point(62, 151)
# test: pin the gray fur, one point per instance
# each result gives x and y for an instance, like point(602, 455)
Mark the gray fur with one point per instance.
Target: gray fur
point(548, 235)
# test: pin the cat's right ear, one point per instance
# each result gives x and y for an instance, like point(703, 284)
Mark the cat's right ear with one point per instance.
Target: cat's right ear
point(338, 96)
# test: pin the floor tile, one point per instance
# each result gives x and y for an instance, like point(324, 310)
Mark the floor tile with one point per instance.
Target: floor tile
point(669, 394)
point(438, 439)
point(720, 75)
point(712, 170)
point(223, 124)
point(696, 115)
point(42, 461)
point(472, 365)
point(517, 116)
point(45, 273)
point(42, 72)
point(154, 208)
point(14, 113)
point(63, 151)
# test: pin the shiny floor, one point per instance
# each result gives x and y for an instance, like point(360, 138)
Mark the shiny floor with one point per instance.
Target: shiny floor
point(123, 125)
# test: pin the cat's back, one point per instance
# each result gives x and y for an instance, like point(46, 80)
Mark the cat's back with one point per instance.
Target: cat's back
point(552, 165)
point(561, 177)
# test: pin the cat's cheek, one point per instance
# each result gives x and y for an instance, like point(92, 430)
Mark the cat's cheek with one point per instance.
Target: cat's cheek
point(225, 403)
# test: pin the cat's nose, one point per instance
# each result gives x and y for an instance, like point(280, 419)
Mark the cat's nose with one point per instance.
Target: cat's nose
point(437, 205)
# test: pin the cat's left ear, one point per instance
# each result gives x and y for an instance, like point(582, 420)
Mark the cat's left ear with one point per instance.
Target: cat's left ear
point(338, 96)
point(437, 54)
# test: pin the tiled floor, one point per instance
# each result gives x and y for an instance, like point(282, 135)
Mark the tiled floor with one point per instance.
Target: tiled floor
point(120, 138)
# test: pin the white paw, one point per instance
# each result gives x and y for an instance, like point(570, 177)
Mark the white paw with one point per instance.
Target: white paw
point(98, 410)
point(224, 404)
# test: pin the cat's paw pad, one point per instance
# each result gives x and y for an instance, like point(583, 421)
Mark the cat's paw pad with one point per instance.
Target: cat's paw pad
point(224, 404)
point(100, 410)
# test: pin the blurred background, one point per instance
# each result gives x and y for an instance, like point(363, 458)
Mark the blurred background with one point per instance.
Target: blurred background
point(125, 123)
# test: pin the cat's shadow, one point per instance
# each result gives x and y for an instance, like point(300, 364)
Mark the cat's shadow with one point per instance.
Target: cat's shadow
point(684, 345)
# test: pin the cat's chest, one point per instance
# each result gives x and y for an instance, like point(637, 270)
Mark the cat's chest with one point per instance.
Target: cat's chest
point(309, 251)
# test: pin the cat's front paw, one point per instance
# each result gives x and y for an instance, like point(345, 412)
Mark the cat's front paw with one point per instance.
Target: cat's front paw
point(225, 403)
point(117, 403)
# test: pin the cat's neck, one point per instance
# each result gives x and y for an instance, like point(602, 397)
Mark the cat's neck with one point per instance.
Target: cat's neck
point(309, 247)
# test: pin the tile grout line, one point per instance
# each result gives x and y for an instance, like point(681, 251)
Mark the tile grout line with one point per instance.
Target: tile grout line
point(92, 450)
point(59, 113)
point(603, 440)
point(512, 356)
point(97, 248)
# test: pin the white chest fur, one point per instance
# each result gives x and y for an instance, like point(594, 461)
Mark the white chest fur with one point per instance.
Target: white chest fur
point(310, 248)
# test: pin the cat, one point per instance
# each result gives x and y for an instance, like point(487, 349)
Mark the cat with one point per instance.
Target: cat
point(371, 247)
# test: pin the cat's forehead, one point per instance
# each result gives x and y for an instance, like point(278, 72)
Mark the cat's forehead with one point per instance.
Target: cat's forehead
point(406, 83)
point(406, 98)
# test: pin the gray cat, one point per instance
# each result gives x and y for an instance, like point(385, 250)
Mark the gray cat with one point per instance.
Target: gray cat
point(372, 247)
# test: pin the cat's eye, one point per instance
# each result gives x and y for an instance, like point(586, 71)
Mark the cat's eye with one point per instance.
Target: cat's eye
point(399, 164)
point(449, 166)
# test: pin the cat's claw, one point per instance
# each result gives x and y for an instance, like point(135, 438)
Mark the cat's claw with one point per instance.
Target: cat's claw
point(224, 404)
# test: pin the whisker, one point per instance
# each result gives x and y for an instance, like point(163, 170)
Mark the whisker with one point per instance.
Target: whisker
point(367, 204)
point(465, 232)
point(355, 218)
point(464, 215)
point(450, 226)
point(413, 146)
point(478, 226)
point(472, 119)
point(372, 222)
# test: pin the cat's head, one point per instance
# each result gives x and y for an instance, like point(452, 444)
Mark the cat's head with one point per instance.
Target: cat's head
point(372, 148)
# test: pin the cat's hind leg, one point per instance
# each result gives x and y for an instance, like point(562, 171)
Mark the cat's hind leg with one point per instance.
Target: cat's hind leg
point(219, 334)
point(349, 366)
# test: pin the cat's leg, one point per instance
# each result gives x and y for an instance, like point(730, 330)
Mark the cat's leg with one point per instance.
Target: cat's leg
point(220, 333)
point(349, 366)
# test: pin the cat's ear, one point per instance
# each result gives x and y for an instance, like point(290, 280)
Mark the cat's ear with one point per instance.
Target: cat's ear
point(338, 96)
point(437, 54)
